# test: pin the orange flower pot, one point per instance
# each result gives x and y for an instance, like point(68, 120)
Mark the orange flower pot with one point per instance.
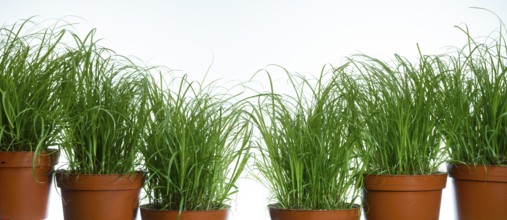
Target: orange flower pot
point(290, 214)
point(481, 192)
point(86, 197)
point(403, 197)
point(23, 195)
point(154, 214)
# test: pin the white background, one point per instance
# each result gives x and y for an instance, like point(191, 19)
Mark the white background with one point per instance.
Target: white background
point(237, 38)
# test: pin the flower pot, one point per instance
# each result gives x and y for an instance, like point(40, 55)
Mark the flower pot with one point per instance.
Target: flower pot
point(86, 197)
point(481, 191)
point(21, 195)
point(147, 213)
point(403, 197)
point(290, 214)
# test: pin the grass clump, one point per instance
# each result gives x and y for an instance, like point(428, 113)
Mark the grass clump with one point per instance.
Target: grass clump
point(476, 111)
point(104, 97)
point(308, 141)
point(197, 145)
point(401, 109)
point(29, 76)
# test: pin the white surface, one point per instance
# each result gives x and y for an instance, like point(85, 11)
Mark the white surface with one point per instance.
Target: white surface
point(237, 38)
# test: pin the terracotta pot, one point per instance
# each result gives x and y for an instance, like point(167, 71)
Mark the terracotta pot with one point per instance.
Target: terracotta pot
point(154, 214)
point(21, 195)
point(97, 197)
point(403, 197)
point(481, 192)
point(290, 214)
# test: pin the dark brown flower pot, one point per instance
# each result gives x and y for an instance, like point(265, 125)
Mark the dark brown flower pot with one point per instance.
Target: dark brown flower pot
point(403, 197)
point(481, 192)
point(154, 214)
point(21, 195)
point(86, 197)
point(290, 214)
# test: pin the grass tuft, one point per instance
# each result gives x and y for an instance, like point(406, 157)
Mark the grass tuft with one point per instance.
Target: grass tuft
point(104, 97)
point(197, 145)
point(308, 140)
point(475, 92)
point(30, 69)
point(401, 109)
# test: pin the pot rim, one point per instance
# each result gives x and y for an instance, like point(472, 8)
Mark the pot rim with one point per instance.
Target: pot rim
point(273, 207)
point(430, 182)
point(405, 175)
point(25, 159)
point(477, 172)
point(145, 207)
point(99, 182)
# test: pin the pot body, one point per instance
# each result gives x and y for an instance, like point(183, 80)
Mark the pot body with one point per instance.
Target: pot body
point(290, 214)
point(99, 197)
point(403, 197)
point(480, 192)
point(23, 193)
point(154, 214)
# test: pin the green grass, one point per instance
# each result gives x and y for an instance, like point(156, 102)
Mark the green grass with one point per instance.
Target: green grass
point(308, 141)
point(104, 97)
point(197, 145)
point(29, 76)
point(401, 109)
point(476, 96)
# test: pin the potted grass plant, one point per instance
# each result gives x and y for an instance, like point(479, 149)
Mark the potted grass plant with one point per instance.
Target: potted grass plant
point(29, 114)
point(476, 127)
point(307, 148)
point(401, 141)
point(104, 100)
point(197, 145)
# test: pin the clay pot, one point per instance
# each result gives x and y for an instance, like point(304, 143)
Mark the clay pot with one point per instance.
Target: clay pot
point(403, 197)
point(481, 191)
point(86, 197)
point(290, 214)
point(21, 195)
point(148, 213)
